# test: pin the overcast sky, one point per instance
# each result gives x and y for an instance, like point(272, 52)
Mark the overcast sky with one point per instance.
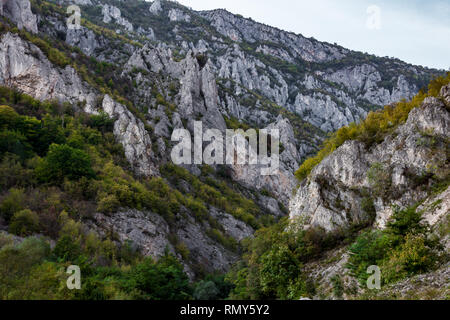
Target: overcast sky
point(416, 31)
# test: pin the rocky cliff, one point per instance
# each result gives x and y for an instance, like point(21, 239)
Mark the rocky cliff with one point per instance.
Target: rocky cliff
point(394, 172)
point(173, 66)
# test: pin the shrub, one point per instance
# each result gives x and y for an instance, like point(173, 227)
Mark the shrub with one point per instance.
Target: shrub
point(279, 267)
point(108, 204)
point(379, 179)
point(24, 223)
point(412, 257)
point(206, 290)
point(183, 250)
point(67, 249)
point(408, 221)
point(163, 280)
point(15, 143)
point(9, 118)
point(12, 203)
point(63, 161)
point(338, 286)
point(102, 122)
point(368, 207)
point(402, 249)
point(370, 248)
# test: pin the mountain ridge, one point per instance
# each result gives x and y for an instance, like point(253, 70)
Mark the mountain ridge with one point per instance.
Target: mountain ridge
point(138, 80)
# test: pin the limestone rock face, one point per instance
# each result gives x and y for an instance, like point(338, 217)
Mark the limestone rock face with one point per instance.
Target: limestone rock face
point(156, 7)
point(176, 15)
point(239, 29)
point(111, 13)
point(83, 38)
point(264, 78)
point(19, 11)
point(24, 66)
point(212, 256)
point(198, 96)
point(133, 136)
point(283, 181)
point(146, 230)
point(332, 197)
point(233, 227)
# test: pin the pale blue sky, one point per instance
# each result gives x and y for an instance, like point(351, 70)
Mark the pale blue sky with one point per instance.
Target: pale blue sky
point(415, 31)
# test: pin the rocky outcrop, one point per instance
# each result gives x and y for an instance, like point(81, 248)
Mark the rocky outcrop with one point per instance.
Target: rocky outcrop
point(239, 29)
point(19, 11)
point(282, 181)
point(25, 67)
point(234, 228)
point(131, 133)
point(145, 231)
point(176, 15)
point(433, 285)
point(337, 193)
point(83, 38)
point(156, 7)
point(111, 13)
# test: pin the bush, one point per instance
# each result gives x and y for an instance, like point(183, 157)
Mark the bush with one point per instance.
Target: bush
point(15, 143)
point(9, 118)
point(12, 203)
point(371, 248)
point(108, 204)
point(408, 221)
point(102, 122)
point(379, 179)
point(414, 256)
point(63, 161)
point(67, 249)
point(24, 223)
point(206, 290)
point(163, 280)
point(402, 249)
point(279, 268)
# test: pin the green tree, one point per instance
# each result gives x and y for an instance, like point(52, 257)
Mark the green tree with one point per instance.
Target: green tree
point(12, 203)
point(206, 290)
point(63, 161)
point(163, 280)
point(24, 223)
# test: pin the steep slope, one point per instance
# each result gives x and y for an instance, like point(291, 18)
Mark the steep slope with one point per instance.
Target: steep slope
point(356, 184)
point(378, 201)
point(170, 66)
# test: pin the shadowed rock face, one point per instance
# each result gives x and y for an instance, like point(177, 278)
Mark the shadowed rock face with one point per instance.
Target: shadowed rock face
point(332, 197)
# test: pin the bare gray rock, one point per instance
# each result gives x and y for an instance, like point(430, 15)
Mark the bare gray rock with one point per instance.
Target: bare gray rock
point(19, 11)
point(332, 197)
point(111, 13)
point(146, 230)
point(131, 132)
point(156, 7)
point(233, 227)
point(176, 15)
